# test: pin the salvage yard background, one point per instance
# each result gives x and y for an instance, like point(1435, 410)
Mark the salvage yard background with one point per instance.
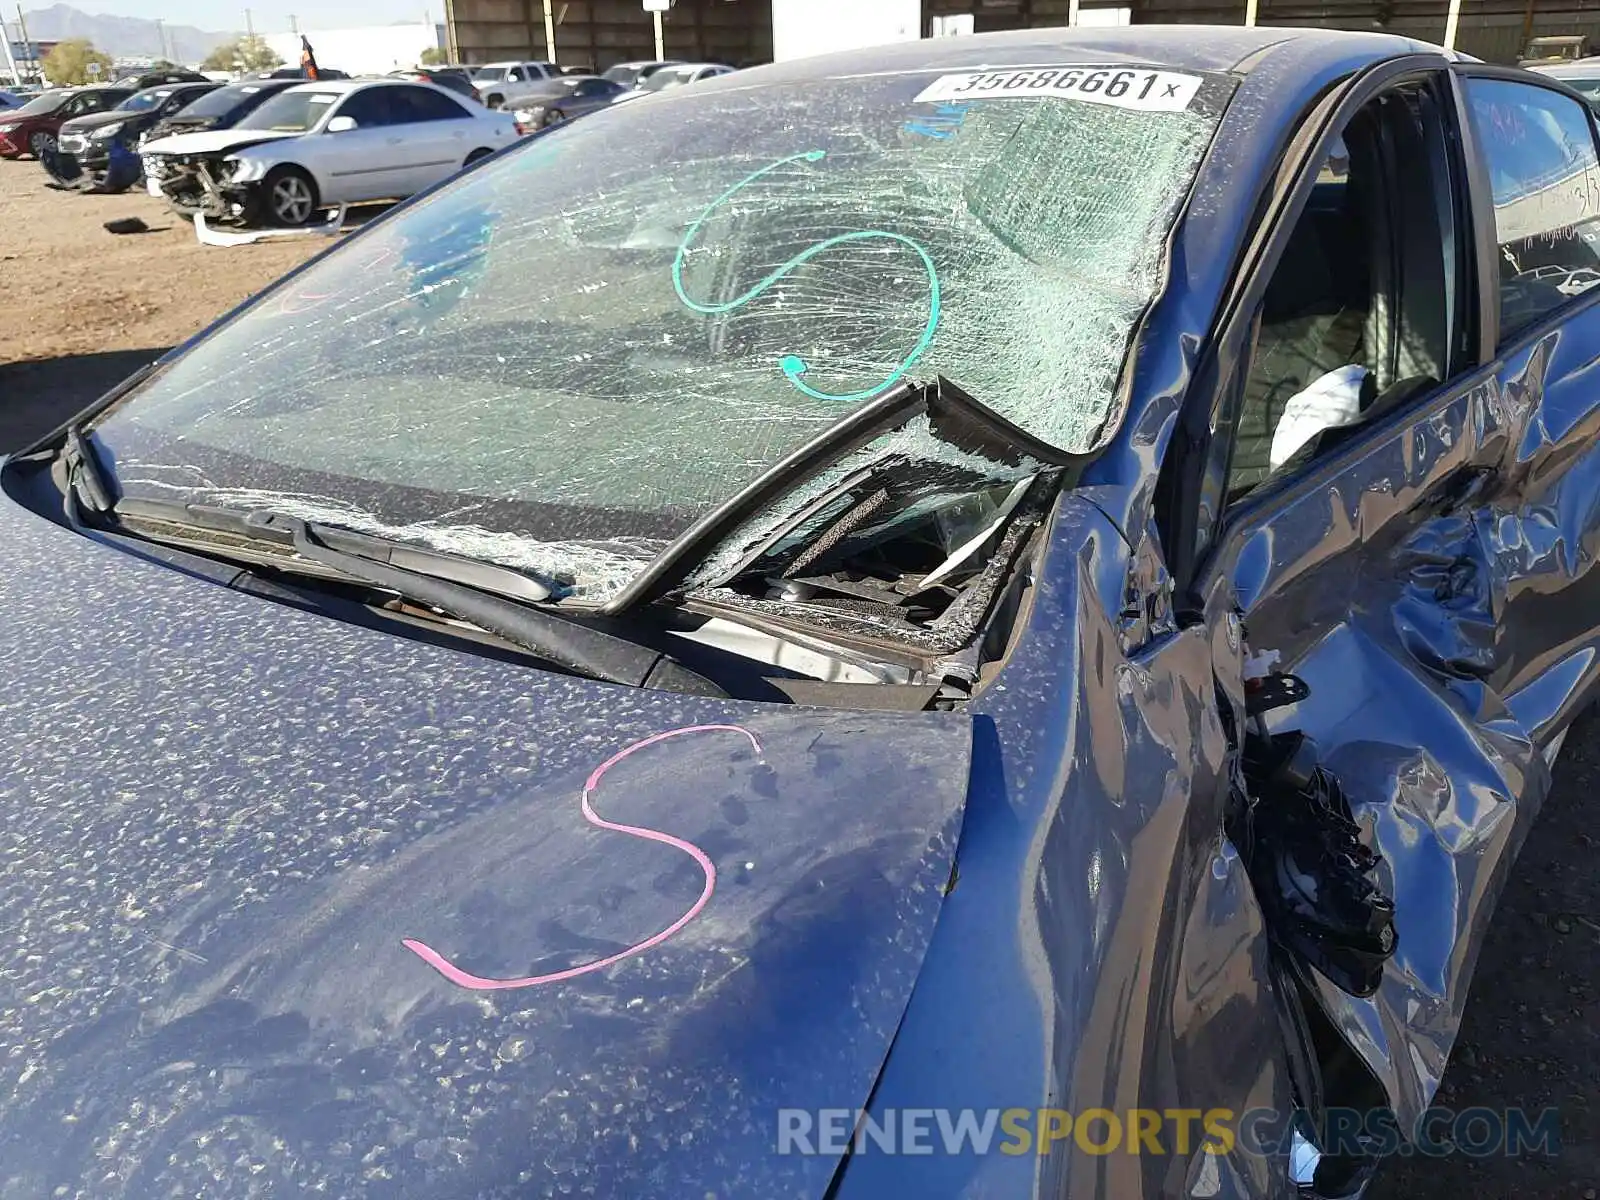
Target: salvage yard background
point(81, 308)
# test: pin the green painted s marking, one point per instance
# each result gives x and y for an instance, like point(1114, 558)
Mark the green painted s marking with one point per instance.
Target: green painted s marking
point(792, 365)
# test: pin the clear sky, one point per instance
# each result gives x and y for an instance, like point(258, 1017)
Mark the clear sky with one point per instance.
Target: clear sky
point(270, 16)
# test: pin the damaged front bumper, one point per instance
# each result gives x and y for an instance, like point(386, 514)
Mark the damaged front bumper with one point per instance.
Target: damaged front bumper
point(201, 184)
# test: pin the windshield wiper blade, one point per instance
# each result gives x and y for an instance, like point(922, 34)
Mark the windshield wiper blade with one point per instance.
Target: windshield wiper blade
point(443, 582)
point(474, 573)
point(560, 639)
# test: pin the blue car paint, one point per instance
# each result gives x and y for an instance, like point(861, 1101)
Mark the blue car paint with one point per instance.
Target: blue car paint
point(1100, 945)
point(206, 899)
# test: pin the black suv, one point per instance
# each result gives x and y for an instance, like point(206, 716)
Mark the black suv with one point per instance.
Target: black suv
point(151, 79)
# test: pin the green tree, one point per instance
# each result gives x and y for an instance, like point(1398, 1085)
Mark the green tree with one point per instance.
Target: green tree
point(68, 64)
point(245, 54)
point(433, 57)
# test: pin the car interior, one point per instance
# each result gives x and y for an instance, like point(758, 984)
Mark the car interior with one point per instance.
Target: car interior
point(1367, 279)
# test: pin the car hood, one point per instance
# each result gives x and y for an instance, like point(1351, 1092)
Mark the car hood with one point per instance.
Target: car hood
point(99, 120)
point(215, 141)
point(240, 841)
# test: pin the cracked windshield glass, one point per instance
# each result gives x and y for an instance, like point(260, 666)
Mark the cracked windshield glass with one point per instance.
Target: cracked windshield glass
point(561, 361)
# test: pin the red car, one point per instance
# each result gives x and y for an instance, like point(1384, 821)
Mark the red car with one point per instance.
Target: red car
point(32, 129)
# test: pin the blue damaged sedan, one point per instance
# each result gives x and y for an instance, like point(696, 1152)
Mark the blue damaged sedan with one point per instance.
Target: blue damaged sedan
point(980, 618)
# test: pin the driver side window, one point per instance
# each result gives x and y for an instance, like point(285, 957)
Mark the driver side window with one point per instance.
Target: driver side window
point(1364, 310)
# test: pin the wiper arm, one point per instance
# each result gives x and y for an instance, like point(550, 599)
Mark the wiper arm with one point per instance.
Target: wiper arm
point(580, 648)
point(86, 478)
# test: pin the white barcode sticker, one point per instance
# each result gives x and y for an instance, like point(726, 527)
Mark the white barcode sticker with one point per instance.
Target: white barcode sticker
point(1122, 87)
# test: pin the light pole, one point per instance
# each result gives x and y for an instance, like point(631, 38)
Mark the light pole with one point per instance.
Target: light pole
point(11, 59)
point(1450, 24)
point(655, 8)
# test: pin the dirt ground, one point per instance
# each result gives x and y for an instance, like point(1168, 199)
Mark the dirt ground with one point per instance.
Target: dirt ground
point(81, 308)
point(69, 287)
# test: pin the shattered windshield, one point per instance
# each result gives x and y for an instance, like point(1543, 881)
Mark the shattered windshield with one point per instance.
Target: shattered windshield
point(566, 358)
point(144, 101)
point(222, 101)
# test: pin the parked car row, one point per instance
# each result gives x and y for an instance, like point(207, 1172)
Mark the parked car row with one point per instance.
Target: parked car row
point(277, 149)
point(322, 144)
point(33, 129)
point(549, 101)
point(506, 85)
point(99, 152)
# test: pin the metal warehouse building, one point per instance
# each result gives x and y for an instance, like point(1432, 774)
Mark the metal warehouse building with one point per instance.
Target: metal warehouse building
point(598, 33)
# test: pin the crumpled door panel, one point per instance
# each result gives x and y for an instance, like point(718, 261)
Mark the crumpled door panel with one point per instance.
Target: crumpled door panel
point(1435, 591)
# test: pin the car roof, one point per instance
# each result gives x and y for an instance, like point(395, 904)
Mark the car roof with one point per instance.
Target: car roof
point(1236, 48)
point(1578, 68)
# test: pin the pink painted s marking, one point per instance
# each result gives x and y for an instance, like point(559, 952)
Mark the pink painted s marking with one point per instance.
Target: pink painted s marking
point(479, 984)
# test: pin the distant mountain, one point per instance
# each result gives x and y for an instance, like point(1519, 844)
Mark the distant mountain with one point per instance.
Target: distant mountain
point(122, 37)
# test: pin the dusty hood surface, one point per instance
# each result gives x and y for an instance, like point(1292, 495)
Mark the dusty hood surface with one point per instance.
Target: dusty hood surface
point(99, 120)
point(259, 868)
point(214, 141)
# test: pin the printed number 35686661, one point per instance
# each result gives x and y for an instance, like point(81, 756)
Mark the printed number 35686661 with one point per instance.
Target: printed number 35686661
point(1124, 87)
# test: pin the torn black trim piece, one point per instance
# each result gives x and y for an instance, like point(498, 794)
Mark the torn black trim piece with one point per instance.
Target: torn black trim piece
point(951, 631)
point(1311, 872)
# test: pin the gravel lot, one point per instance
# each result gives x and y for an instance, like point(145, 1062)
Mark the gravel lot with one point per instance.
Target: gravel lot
point(71, 291)
point(81, 308)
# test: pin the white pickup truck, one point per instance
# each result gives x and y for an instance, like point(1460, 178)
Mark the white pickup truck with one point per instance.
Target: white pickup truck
point(496, 81)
